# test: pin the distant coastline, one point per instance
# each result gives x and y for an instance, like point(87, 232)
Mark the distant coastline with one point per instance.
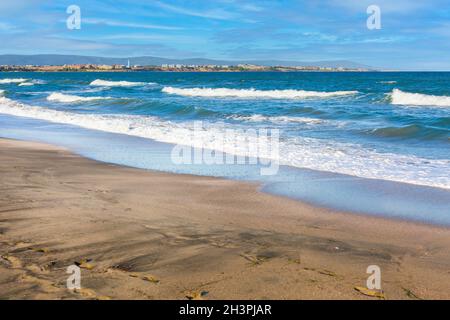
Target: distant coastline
point(175, 68)
point(58, 63)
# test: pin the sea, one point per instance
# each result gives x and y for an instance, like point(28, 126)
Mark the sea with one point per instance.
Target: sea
point(374, 143)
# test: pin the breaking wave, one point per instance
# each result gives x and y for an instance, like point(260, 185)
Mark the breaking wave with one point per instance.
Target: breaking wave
point(67, 98)
point(8, 81)
point(31, 83)
point(105, 83)
point(253, 93)
point(418, 99)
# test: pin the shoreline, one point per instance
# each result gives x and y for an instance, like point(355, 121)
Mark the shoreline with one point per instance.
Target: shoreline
point(155, 235)
point(408, 202)
point(260, 186)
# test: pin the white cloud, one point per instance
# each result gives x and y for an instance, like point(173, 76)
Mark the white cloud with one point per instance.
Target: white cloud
point(153, 37)
point(218, 14)
point(114, 23)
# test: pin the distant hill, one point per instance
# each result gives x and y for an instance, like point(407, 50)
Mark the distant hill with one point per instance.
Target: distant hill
point(56, 59)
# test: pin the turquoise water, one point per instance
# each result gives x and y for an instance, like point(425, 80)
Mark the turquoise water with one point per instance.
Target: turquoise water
point(382, 132)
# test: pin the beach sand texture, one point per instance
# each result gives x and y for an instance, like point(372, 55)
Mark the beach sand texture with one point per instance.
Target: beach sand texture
point(149, 235)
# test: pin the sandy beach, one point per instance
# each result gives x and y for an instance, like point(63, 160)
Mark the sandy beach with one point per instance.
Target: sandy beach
point(150, 235)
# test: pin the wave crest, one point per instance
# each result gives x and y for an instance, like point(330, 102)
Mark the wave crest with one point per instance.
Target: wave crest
point(67, 98)
point(413, 131)
point(252, 93)
point(418, 99)
point(8, 81)
point(31, 83)
point(105, 83)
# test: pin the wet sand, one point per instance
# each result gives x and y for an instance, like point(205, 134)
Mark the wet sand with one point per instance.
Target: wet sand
point(150, 235)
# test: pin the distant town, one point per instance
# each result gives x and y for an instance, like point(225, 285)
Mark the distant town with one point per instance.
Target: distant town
point(170, 68)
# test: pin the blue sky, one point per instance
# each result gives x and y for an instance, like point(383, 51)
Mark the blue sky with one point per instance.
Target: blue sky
point(414, 34)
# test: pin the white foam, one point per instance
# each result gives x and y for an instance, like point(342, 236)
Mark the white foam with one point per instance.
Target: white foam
point(105, 83)
point(31, 83)
point(418, 99)
point(67, 98)
point(318, 154)
point(8, 81)
point(252, 93)
point(277, 119)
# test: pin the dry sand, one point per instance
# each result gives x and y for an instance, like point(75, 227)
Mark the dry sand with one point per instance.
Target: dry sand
point(154, 235)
